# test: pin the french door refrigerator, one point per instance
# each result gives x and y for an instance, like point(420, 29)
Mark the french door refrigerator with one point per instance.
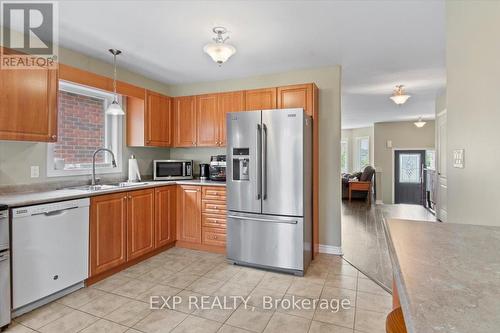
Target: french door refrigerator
point(269, 195)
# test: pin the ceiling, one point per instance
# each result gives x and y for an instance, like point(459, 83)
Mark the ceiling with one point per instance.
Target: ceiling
point(378, 43)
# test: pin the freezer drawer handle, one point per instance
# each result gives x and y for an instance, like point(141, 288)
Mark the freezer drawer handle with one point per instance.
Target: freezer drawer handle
point(261, 220)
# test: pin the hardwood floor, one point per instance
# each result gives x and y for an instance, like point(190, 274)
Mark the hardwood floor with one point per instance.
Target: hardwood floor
point(363, 239)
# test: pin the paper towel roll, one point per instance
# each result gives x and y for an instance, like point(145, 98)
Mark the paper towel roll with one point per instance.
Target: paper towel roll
point(133, 170)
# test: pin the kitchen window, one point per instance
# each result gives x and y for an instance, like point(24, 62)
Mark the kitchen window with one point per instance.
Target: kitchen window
point(363, 152)
point(344, 156)
point(82, 128)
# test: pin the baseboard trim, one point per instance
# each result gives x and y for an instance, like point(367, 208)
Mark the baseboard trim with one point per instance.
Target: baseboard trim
point(329, 249)
point(379, 202)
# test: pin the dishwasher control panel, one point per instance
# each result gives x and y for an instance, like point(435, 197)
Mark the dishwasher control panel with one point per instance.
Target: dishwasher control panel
point(49, 208)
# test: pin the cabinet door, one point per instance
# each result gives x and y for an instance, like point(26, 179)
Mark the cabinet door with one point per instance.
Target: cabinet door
point(184, 121)
point(260, 99)
point(28, 107)
point(207, 116)
point(158, 120)
point(140, 223)
point(229, 102)
point(165, 214)
point(189, 214)
point(108, 225)
point(296, 96)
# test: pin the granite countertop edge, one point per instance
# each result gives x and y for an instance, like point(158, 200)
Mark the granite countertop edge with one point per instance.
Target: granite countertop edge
point(37, 197)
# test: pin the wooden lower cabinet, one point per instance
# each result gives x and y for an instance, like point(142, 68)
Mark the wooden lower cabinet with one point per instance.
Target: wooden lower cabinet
point(108, 231)
point(189, 214)
point(166, 212)
point(140, 223)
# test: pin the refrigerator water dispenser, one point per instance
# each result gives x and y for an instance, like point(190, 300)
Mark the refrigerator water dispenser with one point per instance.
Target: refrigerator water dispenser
point(241, 164)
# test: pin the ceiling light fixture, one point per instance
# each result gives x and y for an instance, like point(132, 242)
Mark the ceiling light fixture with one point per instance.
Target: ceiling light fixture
point(219, 51)
point(114, 108)
point(399, 96)
point(420, 123)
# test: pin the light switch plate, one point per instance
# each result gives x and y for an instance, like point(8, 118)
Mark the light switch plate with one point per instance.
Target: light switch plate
point(458, 158)
point(35, 171)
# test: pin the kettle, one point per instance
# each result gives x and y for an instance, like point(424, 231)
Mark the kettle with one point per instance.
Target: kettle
point(204, 171)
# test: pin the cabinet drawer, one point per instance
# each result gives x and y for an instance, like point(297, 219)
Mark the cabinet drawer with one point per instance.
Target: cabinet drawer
point(214, 236)
point(213, 193)
point(214, 207)
point(213, 221)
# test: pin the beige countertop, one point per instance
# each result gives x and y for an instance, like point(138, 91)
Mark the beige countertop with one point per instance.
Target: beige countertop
point(19, 199)
point(447, 275)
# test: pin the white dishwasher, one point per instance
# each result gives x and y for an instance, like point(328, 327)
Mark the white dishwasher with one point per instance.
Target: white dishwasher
point(50, 246)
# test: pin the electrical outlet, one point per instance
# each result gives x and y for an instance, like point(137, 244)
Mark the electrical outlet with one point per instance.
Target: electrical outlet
point(35, 171)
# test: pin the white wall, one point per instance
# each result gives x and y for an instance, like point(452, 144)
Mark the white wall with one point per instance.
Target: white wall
point(328, 82)
point(350, 135)
point(403, 135)
point(473, 110)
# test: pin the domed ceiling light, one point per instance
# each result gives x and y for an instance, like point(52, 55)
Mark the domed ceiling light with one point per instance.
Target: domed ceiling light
point(420, 123)
point(219, 51)
point(399, 96)
point(115, 108)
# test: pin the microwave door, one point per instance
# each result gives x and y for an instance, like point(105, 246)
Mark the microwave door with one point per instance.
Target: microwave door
point(169, 169)
point(243, 163)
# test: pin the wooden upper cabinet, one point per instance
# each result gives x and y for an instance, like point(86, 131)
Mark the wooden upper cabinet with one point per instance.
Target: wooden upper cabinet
point(229, 102)
point(158, 120)
point(141, 226)
point(165, 215)
point(28, 105)
point(260, 99)
point(184, 121)
point(297, 96)
point(207, 119)
point(189, 213)
point(108, 232)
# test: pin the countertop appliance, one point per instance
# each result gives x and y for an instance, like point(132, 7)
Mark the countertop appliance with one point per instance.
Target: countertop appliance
point(4, 267)
point(218, 168)
point(50, 246)
point(204, 171)
point(269, 222)
point(172, 169)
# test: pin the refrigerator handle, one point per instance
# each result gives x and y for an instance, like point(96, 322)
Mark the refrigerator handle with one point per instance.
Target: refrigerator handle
point(257, 160)
point(264, 162)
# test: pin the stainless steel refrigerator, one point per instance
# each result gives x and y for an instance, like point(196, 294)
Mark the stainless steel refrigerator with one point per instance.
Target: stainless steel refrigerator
point(269, 194)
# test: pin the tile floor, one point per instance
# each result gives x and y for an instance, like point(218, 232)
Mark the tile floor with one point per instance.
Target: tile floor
point(121, 302)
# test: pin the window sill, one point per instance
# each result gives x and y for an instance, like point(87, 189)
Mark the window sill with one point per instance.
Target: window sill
point(84, 172)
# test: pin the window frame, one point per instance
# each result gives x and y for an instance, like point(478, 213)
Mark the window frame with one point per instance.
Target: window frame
point(358, 151)
point(117, 137)
point(346, 143)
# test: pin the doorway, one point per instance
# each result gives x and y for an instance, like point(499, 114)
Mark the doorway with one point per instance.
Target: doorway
point(409, 181)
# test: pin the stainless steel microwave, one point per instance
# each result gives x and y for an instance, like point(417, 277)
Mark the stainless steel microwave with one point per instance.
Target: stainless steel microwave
point(172, 169)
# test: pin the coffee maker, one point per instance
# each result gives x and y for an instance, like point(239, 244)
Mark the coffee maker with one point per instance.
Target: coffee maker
point(218, 168)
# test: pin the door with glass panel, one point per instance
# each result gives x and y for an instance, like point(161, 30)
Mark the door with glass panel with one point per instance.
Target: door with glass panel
point(409, 182)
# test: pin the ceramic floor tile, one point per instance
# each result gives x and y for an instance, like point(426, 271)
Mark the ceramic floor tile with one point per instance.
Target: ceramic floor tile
point(104, 304)
point(158, 290)
point(250, 318)
point(180, 280)
point(160, 321)
point(198, 268)
point(248, 276)
point(319, 327)
point(217, 308)
point(234, 289)
point(17, 328)
point(342, 317)
point(80, 297)
point(343, 269)
point(185, 297)
point(130, 313)
point(341, 281)
point(137, 270)
point(194, 324)
point(283, 323)
point(371, 287)
point(306, 289)
point(105, 326)
point(297, 306)
point(315, 276)
point(156, 275)
point(73, 322)
point(259, 296)
point(276, 281)
point(111, 283)
point(373, 302)
point(342, 295)
point(44, 315)
point(369, 321)
point(231, 329)
point(133, 288)
point(223, 272)
point(205, 286)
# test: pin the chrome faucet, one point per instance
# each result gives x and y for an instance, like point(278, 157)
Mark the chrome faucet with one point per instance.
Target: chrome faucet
point(113, 162)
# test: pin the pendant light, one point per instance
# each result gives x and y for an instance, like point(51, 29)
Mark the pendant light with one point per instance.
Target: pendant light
point(420, 123)
point(399, 96)
point(219, 51)
point(114, 108)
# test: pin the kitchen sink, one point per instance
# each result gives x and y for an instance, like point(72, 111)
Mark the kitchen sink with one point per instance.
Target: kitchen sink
point(104, 187)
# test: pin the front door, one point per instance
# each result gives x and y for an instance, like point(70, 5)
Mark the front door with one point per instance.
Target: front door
point(408, 176)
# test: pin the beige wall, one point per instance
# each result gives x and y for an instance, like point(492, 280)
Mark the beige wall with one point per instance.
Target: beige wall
point(17, 157)
point(350, 136)
point(328, 81)
point(403, 135)
point(473, 110)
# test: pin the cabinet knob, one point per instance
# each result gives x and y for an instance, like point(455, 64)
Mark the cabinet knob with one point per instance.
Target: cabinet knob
point(148, 141)
point(125, 197)
point(53, 137)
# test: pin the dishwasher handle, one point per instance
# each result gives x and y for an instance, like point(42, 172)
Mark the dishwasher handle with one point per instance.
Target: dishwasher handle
point(55, 212)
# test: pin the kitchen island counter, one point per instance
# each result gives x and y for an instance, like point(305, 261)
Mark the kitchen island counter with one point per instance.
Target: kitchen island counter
point(447, 275)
